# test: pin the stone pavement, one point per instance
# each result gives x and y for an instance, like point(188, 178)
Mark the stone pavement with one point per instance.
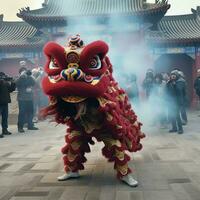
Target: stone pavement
point(167, 168)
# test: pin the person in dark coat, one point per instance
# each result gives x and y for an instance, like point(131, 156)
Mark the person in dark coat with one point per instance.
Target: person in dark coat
point(182, 85)
point(132, 89)
point(197, 85)
point(175, 97)
point(166, 79)
point(158, 100)
point(40, 99)
point(25, 84)
point(148, 83)
point(7, 86)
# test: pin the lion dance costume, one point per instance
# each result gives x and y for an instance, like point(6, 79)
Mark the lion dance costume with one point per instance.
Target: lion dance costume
point(84, 95)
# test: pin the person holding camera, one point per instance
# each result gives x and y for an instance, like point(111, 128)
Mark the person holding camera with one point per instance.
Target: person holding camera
point(197, 87)
point(148, 83)
point(25, 84)
point(40, 99)
point(176, 98)
point(132, 89)
point(7, 86)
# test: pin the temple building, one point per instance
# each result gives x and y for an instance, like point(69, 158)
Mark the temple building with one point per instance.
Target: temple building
point(171, 41)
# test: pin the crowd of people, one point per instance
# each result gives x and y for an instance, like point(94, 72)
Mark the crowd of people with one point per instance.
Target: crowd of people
point(167, 97)
point(169, 94)
point(30, 97)
point(166, 93)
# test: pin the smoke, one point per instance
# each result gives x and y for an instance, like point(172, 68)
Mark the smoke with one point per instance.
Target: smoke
point(128, 52)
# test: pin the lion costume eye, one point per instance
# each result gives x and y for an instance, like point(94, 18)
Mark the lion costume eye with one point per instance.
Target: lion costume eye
point(95, 63)
point(53, 65)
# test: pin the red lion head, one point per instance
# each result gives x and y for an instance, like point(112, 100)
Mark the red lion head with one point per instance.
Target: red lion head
point(76, 70)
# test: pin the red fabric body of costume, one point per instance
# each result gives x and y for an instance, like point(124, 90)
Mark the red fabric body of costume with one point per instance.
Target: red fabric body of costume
point(119, 122)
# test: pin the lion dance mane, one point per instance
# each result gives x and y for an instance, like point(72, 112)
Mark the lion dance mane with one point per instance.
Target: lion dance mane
point(84, 96)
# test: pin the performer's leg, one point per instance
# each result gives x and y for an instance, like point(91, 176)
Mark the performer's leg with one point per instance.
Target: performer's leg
point(74, 150)
point(114, 151)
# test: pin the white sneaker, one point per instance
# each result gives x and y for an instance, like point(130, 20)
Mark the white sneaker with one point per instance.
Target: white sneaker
point(68, 176)
point(128, 179)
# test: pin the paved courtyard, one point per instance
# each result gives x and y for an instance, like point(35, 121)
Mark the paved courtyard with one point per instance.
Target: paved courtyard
point(167, 168)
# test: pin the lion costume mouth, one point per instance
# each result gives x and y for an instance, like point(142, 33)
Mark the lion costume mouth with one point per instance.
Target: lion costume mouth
point(73, 99)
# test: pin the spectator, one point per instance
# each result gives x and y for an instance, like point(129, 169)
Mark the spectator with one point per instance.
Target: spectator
point(7, 86)
point(175, 97)
point(25, 84)
point(148, 82)
point(166, 79)
point(132, 89)
point(197, 86)
point(181, 84)
point(157, 98)
point(40, 100)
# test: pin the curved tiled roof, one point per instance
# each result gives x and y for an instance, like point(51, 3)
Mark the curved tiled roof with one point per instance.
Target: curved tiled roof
point(18, 34)
point(60, 9)
point(177, 29)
